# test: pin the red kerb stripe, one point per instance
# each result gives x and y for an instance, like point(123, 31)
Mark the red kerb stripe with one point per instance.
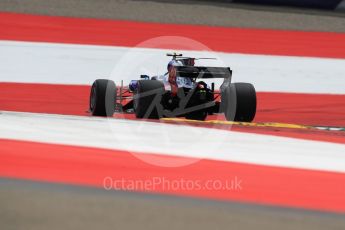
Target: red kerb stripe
point(34, 28)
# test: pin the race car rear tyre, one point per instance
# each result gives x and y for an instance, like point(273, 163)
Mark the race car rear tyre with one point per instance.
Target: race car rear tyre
point(103, 98)
point(239, 102)
point(147, 99)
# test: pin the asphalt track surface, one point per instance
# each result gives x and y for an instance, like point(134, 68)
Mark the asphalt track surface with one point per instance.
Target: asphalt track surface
point(30, 205)
point(36, 205)
point(185, 12)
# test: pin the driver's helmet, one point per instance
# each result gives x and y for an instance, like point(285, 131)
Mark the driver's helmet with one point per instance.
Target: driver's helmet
point(173, 63)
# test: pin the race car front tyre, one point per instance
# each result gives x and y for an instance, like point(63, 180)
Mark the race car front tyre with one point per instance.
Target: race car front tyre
point(239, 102)
point(147, 99)
point(103, 98)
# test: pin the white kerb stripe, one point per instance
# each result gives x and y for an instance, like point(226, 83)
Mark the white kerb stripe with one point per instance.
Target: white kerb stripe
point(82, 64)
point(174, 140)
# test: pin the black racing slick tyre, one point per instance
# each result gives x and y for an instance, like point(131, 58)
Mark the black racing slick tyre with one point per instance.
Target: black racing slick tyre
point(103, 98)
point(239, 102)
point(147, 99)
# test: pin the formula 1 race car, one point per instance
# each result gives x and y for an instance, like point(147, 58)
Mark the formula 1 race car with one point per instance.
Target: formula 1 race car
point(181, 92)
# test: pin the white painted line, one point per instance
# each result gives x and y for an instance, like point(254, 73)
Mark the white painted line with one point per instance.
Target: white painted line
point(82, 64)
point(167, 139)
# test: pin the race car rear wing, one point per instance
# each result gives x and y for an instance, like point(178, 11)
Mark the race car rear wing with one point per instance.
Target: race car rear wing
point(203, 72)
